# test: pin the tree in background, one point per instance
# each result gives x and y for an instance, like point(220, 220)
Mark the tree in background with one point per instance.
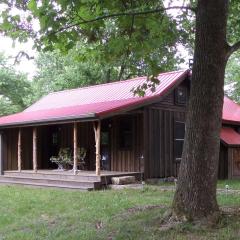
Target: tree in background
point(142, 33)
point(232, 79)
point(15, 89)
point(57, 72)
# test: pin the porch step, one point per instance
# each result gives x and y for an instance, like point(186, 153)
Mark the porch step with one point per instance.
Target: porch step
point(57, 175)
point(44, 185)
point(50, 182)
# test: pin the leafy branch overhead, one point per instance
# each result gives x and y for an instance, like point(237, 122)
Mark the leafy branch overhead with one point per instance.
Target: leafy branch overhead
point(139, 34)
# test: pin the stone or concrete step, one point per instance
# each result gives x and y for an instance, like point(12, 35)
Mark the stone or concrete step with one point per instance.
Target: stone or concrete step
point(63, 183)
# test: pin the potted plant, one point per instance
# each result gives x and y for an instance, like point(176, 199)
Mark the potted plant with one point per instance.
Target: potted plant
point(63, 158)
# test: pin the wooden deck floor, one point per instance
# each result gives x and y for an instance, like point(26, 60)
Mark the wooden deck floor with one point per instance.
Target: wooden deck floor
point(70, 172)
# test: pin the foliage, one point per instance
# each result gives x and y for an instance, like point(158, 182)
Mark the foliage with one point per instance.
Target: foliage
point(15, 89)
point(232, 79)
point(57, 72)
point(64, 157)
point(133, 42)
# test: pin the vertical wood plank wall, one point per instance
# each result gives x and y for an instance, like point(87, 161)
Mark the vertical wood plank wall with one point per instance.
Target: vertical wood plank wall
point(128, 160)
point(159, 121)
point(159, 136)
point(10, 149)
point(235, 162)
point(223, 162)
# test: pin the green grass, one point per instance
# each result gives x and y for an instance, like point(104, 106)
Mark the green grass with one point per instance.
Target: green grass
point(27, 213)
point(233, 184)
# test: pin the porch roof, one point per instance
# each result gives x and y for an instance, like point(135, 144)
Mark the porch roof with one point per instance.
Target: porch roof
point(229, 136)
point(93, 102)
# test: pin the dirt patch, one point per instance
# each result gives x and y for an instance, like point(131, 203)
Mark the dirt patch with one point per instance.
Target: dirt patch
point(144, 208)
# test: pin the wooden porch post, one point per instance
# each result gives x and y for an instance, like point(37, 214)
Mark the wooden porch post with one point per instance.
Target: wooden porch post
point(19, 152)
point(75, 144)
point(97, 131)
point(35, 149)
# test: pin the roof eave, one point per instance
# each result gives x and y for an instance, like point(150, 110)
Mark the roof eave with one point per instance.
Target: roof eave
point(69, 119)
point(230, 122)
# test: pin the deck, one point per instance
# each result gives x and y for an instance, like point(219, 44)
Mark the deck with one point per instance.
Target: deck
point(83, 180)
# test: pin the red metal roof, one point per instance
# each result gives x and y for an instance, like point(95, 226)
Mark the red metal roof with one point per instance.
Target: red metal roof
point(229, 136)
point(102, 100)
point(92, 102)
point(231, 111)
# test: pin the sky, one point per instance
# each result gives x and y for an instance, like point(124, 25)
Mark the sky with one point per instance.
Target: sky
point(26, 66)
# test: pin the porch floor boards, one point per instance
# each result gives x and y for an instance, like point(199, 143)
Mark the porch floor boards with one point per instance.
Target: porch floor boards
point(84, 180)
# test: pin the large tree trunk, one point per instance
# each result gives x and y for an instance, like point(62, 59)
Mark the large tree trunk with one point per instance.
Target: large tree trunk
point(195, 197)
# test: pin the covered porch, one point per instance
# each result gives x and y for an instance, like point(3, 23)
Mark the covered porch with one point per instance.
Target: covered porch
point(113, 148)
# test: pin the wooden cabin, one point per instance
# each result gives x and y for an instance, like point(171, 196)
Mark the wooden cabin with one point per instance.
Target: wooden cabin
point(122, 134)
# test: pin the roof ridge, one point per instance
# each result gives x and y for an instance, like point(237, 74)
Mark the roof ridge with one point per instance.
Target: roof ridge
point(112, 83)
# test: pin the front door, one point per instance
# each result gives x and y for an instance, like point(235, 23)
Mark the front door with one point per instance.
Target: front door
point(106, 145)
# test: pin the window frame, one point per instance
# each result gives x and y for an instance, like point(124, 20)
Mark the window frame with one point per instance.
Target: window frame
point(121, 132)
point(177, 99)
point(178, 159)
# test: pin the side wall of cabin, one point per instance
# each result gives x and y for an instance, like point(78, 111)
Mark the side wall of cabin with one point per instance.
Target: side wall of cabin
point(162, 143)
point(160, 133)
point(127, 158)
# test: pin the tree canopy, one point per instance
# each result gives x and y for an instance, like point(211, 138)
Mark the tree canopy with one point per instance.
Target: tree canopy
point(57, 72)
point(134, 35)
point(15, 89)
point(232, 80)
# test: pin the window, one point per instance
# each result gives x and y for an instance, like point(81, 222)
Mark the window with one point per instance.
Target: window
point(55, 138)
point(105, 138)
point(179, 132)
point(181, 96)
point(126, 134)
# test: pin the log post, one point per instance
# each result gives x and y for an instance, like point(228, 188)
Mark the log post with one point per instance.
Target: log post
point(97, 131)
point(35, 149)
point(75, 148)
point(19, 152)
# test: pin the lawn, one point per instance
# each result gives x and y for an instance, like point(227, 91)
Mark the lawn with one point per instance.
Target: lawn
point(28, 213)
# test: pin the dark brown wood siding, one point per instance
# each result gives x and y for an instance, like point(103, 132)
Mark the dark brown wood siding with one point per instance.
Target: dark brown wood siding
point(10, 149)
point(159, 142)
point(159, 119)
point(223, 162)
point(128, 160)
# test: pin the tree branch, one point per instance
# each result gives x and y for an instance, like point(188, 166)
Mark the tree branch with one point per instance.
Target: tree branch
point(233, 48)
point(134, 13)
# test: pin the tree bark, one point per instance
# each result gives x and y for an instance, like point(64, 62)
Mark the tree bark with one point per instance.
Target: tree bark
point(195, 196)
